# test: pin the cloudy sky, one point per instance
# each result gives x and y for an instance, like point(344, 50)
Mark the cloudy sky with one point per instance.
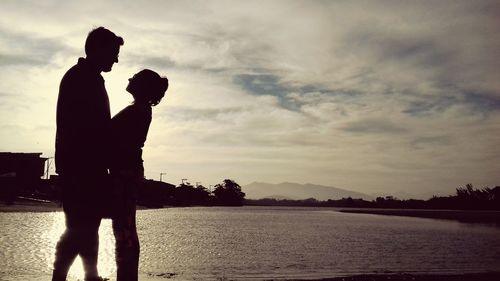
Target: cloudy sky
point(396, 97)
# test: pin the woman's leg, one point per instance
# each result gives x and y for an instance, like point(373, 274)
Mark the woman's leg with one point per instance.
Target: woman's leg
point(125, 230)
point(127, 247)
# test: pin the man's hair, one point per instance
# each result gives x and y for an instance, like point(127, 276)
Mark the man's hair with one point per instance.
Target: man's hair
point(101, 39)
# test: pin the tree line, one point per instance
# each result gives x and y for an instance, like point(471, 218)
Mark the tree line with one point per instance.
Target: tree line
point(151, 194)
point(466, 198)
point(157, 194)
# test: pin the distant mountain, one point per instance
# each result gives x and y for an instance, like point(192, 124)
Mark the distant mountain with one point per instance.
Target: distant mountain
point(295, 191)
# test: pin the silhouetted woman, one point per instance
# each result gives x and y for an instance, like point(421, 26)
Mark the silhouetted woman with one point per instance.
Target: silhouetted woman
point(129, 130)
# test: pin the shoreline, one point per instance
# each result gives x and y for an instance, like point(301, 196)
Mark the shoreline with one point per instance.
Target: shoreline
point(37, 207)
point(44, 204)
point(467, 216)
point(27, 207)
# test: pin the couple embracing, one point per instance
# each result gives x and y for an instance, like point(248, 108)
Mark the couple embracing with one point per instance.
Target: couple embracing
point(99, 158)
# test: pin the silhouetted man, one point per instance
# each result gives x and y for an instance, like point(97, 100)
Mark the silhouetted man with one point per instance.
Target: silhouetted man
point(82, 147)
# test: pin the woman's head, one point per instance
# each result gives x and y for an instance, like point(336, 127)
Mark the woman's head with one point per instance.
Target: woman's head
point(147, 86)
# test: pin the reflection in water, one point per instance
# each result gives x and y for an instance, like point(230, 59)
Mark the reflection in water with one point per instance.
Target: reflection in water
point(44, 243)
point(106, 263)
point(260, 243)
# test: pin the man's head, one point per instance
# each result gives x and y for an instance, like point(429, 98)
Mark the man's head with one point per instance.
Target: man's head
point(102, 48)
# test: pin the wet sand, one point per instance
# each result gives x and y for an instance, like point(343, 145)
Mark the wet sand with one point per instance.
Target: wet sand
point(491, 276)
point(420, 277)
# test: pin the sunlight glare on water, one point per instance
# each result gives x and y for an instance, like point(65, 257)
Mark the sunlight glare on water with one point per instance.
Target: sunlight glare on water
point(54, 229)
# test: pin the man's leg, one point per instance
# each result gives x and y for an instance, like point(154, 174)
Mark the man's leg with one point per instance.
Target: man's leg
point(80, 237)
point(89, 247)
point(82, 226)
point(67, 247)
point(66, 252)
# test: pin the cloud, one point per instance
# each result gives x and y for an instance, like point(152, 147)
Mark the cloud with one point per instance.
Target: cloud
point(371, 126)
point(265, 84)
point(321, 91)
point(291, 96)
point(6, 60)
point(482, 101)
point(153, 62)
point(27, 49)
point(421, 142)
point(212, 114)
point(470, 102)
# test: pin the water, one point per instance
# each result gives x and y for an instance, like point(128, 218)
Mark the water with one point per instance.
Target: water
point(255, 243)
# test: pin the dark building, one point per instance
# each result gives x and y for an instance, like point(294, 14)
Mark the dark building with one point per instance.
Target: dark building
point(156, 194)
point(20, 173)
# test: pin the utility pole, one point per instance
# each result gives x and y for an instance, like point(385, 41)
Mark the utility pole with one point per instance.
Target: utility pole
point(184, 180)
point(48, 167)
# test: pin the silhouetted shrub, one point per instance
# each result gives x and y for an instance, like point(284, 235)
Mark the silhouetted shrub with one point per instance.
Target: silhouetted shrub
point(229, 193)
